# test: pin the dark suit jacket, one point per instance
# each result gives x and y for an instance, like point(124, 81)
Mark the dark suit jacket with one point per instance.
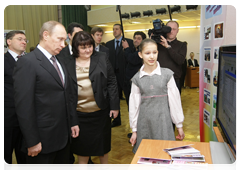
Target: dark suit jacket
point(10, 117)
point(119, 58)
point(42, 103)
point(190, 63)
point(134, 63)
point(104, 49)
point(103, 80)
point(64, 54)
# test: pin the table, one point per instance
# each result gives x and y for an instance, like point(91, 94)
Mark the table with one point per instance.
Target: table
point(192, 77)
point(154, 149)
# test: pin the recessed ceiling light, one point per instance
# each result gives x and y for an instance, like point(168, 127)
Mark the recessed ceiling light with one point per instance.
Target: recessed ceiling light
point(166, 20)
point(136, 22)
point(101, 25)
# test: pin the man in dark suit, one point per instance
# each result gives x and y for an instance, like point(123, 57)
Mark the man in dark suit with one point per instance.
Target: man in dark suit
point(118, 61)
point(42, 99)
point(134, 62)
point(192, 62)
point(97, 34)
point(72, 29)
point(16, 42)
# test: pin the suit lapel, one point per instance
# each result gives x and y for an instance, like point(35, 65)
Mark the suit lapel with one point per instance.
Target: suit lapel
point(93, 63)
point(10, 60)
point(71, 67)
point(45, 63)
point(64, 71)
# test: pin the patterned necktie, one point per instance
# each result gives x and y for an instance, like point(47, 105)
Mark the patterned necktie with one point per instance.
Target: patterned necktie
point(57, 68)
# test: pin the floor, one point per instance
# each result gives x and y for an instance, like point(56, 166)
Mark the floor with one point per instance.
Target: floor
point(121, 152)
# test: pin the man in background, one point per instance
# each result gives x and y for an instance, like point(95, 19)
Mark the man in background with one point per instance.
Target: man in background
point(72, 29)
point(97, 34)
point(134, 62)
point(16, 42)
point(118, 61)
point(41, 85)
point(172, 52)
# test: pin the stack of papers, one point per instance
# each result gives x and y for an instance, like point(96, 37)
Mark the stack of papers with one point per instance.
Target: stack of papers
point(187, 149)
point(179, 155)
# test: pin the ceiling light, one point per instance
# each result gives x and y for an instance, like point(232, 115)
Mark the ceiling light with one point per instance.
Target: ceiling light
point(126, 15)
point(135, 14)
point(189, 27)
point(135, 22)
point(191, 7)
point(176, 8)
point(161, 11)
point(166, 20)
point(102, 25)
point(147, 13)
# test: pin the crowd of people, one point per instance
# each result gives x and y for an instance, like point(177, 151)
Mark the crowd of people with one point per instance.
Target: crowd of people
point(60, 100)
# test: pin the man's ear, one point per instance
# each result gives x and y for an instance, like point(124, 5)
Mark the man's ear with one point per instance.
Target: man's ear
point(45, 35)
point(9, 41)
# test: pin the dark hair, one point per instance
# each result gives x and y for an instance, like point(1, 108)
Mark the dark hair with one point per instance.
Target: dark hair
point(81, 38)
point(96, 29)
point(71, 26)
point(143, 35)
point(121, 28)
point(11, 34)
point(144, 42)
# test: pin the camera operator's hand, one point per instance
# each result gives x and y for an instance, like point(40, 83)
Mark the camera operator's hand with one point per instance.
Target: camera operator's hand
point(164, 42)
point(125, 44)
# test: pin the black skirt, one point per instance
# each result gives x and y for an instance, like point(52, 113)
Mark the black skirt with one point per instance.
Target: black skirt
point(95, 134)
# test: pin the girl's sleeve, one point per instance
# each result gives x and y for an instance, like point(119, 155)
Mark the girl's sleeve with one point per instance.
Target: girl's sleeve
point(174, 100)
point(134, 104)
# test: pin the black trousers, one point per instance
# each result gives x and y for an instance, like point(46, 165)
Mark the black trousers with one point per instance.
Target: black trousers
point(57, 157)
point(12, 141)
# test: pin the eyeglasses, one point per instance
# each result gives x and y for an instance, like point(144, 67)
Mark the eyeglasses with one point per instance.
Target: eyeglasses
point(22, 39)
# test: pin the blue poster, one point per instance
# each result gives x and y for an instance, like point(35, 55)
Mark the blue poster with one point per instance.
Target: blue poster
point(212, 10)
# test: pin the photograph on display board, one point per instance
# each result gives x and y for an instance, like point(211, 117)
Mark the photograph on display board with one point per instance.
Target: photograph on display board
point(215, 54)
point(207, 75)
point(206, 97)
point(206, 117)
point(218, 30)
point(215, 78)
point(214, 101)
point(207, 32)
point(207, 54)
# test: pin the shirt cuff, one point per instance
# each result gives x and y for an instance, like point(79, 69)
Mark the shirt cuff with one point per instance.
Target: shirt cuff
point(179, 125)
point(134, 130)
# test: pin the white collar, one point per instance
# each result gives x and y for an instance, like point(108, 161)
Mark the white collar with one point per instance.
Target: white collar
point(45, 52)
point(156, 71)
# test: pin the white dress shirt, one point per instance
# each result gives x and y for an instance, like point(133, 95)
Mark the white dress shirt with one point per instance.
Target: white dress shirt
point(14, 55)
point(174, 101)
point(70, 49)
point(97, 48)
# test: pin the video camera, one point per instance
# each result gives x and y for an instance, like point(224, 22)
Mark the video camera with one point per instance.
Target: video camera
point(158, 29)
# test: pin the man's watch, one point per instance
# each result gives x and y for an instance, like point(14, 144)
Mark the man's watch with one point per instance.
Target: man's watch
point(169, 46)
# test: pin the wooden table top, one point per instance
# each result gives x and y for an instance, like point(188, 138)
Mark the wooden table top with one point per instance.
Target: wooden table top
point(154, 149)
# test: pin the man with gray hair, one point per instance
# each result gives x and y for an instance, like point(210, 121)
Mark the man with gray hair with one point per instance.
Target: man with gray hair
point(42, 100)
